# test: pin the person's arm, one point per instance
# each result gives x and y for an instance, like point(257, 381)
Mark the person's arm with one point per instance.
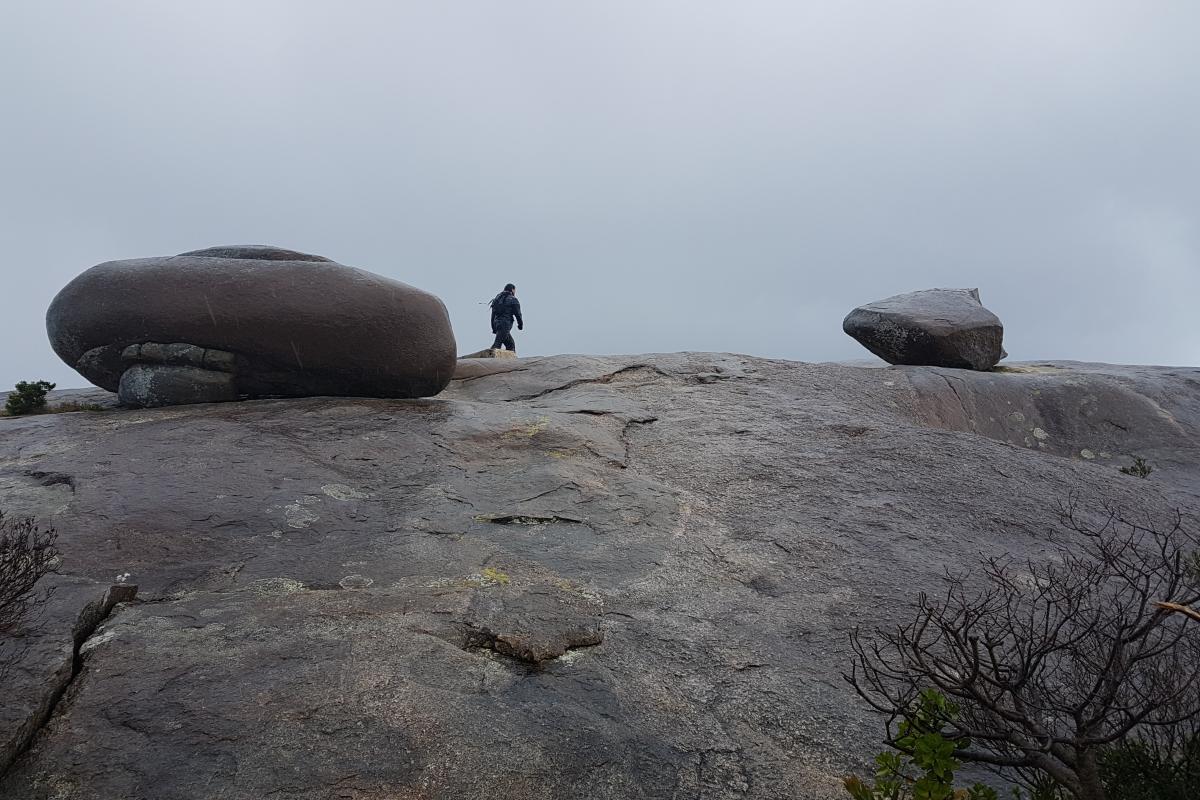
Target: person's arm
point(517, 314)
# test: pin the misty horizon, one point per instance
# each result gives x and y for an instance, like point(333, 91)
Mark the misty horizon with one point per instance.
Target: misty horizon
point(652, 177)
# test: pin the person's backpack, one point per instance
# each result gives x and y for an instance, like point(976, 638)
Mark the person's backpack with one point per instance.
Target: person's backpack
point(502, 305)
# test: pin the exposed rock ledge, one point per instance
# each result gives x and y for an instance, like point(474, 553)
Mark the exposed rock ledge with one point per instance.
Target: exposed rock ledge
point(564, 577)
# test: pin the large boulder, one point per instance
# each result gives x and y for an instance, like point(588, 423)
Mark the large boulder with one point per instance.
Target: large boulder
point(249, 321)
point(933, 327)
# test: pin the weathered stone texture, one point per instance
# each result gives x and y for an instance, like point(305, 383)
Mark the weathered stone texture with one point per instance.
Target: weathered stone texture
point(564, 577)
point(275, 322)
point(933, 327)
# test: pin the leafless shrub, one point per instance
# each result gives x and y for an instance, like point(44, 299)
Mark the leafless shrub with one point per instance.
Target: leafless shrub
point(27, 554)
point(1052, 662)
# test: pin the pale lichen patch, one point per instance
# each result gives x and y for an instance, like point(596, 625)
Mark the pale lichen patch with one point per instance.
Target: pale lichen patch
point(275, 586)
point(355, 582)
point(340, 491)
point(298, 515)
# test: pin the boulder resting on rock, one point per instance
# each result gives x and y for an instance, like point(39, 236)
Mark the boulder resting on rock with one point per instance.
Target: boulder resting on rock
point(249, 321)
point(932, 327)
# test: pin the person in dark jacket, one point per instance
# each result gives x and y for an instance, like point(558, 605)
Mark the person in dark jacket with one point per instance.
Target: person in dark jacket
point(505, 308)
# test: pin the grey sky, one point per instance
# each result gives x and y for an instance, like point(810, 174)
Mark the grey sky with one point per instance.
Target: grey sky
point(652, 175)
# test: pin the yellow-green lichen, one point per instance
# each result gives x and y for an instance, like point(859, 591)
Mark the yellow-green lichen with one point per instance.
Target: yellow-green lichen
point(493, 575)
point(531, 430)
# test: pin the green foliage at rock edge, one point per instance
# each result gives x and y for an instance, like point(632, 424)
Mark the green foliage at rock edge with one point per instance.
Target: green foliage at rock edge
point(922, 765)
point(27, 397)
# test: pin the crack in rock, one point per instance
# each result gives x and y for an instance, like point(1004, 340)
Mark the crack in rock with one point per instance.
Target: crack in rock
point(629, 425)
point(602, 379)
point(970, 418)
point(526, 519)
point(53, 479)
point(90, 618)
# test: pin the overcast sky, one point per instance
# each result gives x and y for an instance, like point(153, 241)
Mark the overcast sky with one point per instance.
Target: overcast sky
point(654, 176)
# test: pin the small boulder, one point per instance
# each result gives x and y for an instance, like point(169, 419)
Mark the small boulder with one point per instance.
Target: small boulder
point(933, 327)
point(146, 386)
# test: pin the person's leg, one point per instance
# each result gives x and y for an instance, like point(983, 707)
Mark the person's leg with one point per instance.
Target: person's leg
point(499, 343)
point(509, 342)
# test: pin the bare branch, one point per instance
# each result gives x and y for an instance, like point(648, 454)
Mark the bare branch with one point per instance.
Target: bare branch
point(1050, 661)
point(27, 554)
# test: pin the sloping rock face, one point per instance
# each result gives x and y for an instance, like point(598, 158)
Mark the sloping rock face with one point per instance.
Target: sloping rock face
point(933, 327)
point(565, 577)
point(249, 321)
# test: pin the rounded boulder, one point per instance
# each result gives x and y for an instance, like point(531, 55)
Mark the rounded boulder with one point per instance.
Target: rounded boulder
point(250, 321)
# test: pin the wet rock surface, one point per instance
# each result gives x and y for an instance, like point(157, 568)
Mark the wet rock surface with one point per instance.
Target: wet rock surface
point(932, 327)
point(249, 321)
point(563, 577)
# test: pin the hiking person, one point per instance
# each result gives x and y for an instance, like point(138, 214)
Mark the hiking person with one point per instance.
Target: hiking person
point(505, 308)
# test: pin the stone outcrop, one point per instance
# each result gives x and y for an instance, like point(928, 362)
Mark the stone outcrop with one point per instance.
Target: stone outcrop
point(563, 577)
point(491, 352)
point(249, 321)
point(933, 327)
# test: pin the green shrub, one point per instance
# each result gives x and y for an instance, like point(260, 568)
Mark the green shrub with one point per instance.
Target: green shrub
point(1152, 770)
point(923, 764)
point(28, 397)
point(1139, 468)
point(1161, 767)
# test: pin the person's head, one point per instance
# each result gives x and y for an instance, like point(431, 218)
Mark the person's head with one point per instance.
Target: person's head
point(508, 287)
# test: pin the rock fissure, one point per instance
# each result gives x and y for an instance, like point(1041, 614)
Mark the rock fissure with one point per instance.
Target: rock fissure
point(527, 519)
point(571, 485)
point(602, 379)
point(53, 479)
point(469, 378)
point(958, 397)
point(629, 424)
point(90, 618)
